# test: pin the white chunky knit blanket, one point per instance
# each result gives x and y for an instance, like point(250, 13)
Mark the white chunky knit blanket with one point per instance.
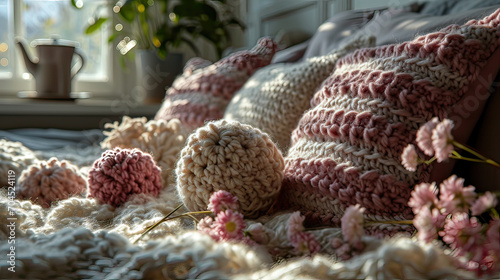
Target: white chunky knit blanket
point(78, 238)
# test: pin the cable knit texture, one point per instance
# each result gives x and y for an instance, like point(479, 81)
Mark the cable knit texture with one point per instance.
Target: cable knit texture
point(233, 157)
point(49, 181)
point(13, 156)
point(275, 97)
point(202, 92)
point(120, 173)
point(346, 149)
point(162, 139)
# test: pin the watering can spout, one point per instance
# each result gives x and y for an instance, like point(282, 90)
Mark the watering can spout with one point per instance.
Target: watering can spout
point(31, 64)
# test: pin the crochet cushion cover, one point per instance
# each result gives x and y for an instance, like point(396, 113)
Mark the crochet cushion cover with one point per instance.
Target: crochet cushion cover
point(202, 92)
point(346, 149)
point(276, 96)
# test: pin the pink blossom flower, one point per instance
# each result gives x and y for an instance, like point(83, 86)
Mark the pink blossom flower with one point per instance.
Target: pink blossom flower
point(257, 233)
point(205, 223)
point(229, 225)
point(206, 226)
point(424, 136)
point(352, 224)
point(462, 233)
point(428, 223)
point(493, 236)
point(454, 196)
point(442, 140)
point(295, 223)
point(344, 252)
point(484, 203)
point(304, 243)
point(222, 200)
point(424, 195)
point(409, 158)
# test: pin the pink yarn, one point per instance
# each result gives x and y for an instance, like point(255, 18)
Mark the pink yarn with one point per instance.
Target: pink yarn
point(49, 181)
point(120, 173)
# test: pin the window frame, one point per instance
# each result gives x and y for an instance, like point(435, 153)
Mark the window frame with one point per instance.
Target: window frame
point(14, 82)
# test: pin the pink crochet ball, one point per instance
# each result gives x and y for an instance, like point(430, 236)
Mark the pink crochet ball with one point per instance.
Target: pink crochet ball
point(48, 181)
point(120, 173)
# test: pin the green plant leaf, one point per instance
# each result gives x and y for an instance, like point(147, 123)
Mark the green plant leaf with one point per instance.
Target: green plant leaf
point(73, 3)
point(128, 11)
point(112, 37)
point(96, 25)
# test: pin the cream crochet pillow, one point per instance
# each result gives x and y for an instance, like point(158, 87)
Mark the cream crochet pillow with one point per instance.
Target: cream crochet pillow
point(275, 98)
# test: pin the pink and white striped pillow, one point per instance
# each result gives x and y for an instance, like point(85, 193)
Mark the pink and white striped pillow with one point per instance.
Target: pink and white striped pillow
point(202, 94)
point(346, 149)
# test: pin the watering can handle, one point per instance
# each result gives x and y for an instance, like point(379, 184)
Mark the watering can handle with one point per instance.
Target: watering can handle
point(82, 58)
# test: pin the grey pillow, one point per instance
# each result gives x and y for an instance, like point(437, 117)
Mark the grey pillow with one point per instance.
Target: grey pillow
point(329, 35)
point(439, 7)
point(393, 26)
point(445, 7)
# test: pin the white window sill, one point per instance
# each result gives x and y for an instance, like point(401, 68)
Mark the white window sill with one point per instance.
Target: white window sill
point(78, 114)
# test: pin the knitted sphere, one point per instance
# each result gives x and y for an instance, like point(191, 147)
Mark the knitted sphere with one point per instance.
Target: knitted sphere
point(160, 138)
point(13, 156)
point(233, 157)
point(120, 173)
point(49, 181)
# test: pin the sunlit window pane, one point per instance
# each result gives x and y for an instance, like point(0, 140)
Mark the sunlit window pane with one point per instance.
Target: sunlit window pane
point(57, 18)
point(5, 38)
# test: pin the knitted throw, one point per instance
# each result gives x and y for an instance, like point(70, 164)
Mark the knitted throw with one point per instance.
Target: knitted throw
point(13, 156)
point(275, 98)
point(346, 149)
point(203, 92)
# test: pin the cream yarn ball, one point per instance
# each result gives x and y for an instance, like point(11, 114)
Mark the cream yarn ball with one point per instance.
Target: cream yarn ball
point(234, 157)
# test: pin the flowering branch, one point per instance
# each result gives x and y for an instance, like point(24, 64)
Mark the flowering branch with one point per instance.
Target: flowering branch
point(434, 139)
point(168, 218)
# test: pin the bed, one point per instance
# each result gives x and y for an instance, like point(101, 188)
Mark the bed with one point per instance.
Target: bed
point(307, 138)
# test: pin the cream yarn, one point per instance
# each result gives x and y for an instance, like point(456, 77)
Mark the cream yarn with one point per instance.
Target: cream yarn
point(230, 156)
point(13, 156)
point(162, 139)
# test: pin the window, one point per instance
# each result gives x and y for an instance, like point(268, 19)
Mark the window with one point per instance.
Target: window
point(41, 19)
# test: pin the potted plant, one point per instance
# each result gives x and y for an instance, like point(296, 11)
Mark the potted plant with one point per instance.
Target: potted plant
point(153, 28)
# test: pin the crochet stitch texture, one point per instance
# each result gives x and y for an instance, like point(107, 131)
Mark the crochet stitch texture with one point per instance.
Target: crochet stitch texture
point(233, 157)
point(120, 173)
point(203, 92)
point(163, 140)
point(49, 181)
point(275, 97)
point(347, 148)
